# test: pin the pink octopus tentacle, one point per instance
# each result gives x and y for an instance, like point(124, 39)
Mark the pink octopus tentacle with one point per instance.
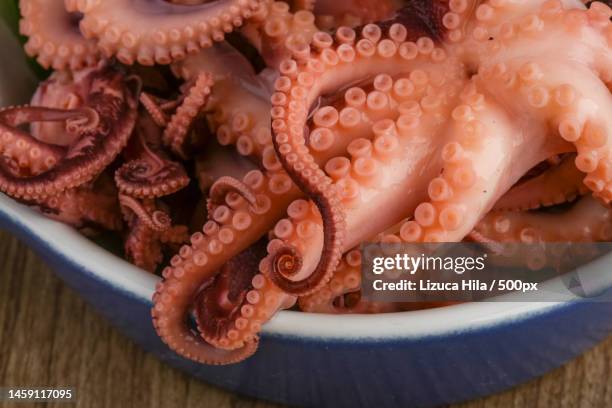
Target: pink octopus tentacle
point(169, 318)
point(179, 125)
point(31, 155)
point(114, 103)
point(586, 221)
point(223, 300)
point(233, 227)
point(543, 80)
point(471, 183)
point(155, 31)
point(559, 184)
point(224, 185)
point(300, 85)
point(238, 110)
point(277, 32)
point(149, 230)
point(54, 37)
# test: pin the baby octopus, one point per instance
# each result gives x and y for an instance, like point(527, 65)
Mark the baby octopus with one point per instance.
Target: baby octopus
point(310, 128)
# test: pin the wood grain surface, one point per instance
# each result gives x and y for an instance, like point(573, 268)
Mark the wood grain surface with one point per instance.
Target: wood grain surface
point(50, 337)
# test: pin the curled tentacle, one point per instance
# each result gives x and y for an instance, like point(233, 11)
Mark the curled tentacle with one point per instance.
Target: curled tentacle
point(301, 85)
point(149, 174)
point(231, 229)
point(113, 102)
point(219, 303)
point(224, 185)
point(149, 230)
point(156, 220)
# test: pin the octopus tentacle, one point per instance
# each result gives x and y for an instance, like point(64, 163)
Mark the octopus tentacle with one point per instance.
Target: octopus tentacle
point(152, 105)
point(401, 144)
point(224, 185)
point(299, 86)
point(169, 32)
point(470, 183)
point(31, 156)
point(180, 123)
point(233, 227)
point(277, 33)
point(238, 110)
point(587, 220)
point(94, 205)
point(220, 304)
point(149, 174)
point(544, 82)
point(149, 228)
point(559, 184)
point(157, 220)
point(114, 102)
point(54, 37)
point(217, 161)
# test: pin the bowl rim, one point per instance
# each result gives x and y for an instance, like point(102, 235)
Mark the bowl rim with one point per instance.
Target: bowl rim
point(99, 263)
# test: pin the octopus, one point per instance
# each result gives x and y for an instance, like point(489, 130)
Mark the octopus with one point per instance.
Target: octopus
point(290, 133)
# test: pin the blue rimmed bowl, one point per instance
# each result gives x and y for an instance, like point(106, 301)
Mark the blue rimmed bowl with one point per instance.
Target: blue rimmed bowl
point(423, 358)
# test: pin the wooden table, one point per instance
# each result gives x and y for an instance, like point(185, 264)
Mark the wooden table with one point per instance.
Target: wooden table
point(49, 336)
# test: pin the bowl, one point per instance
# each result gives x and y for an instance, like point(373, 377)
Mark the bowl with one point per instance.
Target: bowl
point(422, 358)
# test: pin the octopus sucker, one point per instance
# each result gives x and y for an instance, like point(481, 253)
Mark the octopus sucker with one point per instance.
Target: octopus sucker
point(167, 32)
point(54, 37)
point(277, 33)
